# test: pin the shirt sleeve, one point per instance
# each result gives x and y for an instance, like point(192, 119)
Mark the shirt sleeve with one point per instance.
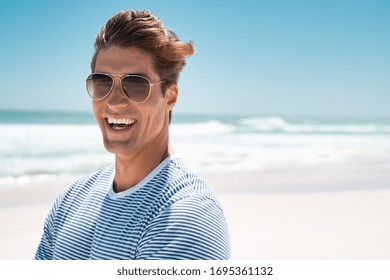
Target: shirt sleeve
point(193, 228)
point(45, 247)
point(44, 251)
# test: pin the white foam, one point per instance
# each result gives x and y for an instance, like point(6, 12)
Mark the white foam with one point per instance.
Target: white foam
point(50, 149)
point(265, 124)
point(29, 151)
point(202, 128)
point(269, 151)
point(277, 124)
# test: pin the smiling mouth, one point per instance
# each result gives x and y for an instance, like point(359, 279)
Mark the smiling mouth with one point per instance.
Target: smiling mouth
point(120, 124)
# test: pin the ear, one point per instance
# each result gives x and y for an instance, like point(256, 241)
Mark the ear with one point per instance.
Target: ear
point(171, 95)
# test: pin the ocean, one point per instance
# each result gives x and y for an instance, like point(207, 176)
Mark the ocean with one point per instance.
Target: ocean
point(39, 146)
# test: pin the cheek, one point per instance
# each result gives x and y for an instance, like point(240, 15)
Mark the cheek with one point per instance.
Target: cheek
point(96, 109)
point(156, 116)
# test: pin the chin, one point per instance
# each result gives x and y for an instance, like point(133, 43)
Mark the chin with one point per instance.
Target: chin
point(118, 147)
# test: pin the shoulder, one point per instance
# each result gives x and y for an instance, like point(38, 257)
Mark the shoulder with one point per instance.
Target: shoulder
point(192, 195)
point(187, 184)
point(192, 224)
point(102, 177)
point(192, 228)
point(94, 183)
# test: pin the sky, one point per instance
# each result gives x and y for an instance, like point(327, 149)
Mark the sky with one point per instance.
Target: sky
point(264, 57)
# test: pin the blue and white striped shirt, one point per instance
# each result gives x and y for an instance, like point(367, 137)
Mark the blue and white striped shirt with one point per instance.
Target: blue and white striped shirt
point(171, 214)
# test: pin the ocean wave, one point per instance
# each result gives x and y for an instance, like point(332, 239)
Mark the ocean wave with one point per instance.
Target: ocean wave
point(25, 180)
point(50, 149)
point(280, 125)
point(202, 128)
point(31, 152)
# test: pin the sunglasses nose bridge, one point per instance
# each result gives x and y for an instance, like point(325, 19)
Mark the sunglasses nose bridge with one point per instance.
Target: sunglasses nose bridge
point(116, 82)
point(116, 98)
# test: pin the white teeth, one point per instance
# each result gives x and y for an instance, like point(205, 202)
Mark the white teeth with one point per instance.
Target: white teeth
point(121, 121)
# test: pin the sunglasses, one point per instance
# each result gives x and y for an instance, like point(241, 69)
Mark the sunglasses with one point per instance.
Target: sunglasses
point(135, 87)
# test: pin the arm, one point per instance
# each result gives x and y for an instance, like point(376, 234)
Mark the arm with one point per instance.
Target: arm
point(44, 251)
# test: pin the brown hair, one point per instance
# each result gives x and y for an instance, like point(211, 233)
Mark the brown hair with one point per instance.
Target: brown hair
point(142, 29)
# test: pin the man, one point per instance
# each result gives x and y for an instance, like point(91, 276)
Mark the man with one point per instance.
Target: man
point(148, 205)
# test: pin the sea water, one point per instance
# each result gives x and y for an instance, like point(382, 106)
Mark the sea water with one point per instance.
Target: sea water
point(38, 146)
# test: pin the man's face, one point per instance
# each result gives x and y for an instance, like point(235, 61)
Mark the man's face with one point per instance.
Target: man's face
point(147, 122)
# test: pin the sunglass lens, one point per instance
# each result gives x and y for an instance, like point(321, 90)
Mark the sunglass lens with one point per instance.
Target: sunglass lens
point(136, 88)
point(99, 85)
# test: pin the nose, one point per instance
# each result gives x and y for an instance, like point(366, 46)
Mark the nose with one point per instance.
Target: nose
point(116, 98)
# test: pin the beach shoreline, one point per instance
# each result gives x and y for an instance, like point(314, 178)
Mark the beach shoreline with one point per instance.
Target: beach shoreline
point(326, 212)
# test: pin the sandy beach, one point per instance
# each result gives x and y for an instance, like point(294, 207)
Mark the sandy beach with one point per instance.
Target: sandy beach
point(321, 212)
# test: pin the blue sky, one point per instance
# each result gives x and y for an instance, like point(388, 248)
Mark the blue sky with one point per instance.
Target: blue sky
point(254, 57)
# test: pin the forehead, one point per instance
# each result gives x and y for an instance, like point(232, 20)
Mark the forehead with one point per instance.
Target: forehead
point(124, 60)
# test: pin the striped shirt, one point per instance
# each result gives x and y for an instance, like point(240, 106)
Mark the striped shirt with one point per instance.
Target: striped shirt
point(171, 214)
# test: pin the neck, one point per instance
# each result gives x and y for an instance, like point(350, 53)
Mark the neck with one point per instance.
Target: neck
point(130, 170)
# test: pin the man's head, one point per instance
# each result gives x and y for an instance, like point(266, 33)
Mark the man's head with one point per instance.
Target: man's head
point(135, 58)
point(142, 29)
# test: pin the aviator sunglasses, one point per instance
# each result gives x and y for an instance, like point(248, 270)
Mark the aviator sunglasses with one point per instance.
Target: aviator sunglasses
point(135, 87)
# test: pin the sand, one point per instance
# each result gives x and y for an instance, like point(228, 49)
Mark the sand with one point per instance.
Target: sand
point(323, 212)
